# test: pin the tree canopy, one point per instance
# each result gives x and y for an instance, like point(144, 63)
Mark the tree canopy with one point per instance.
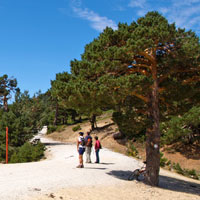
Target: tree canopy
point(7, 85)
point(151, 62)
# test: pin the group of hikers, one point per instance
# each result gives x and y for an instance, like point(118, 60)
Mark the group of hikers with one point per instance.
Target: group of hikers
point(85, 145)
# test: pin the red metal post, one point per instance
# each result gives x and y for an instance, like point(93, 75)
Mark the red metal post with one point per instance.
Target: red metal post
point(6, 145)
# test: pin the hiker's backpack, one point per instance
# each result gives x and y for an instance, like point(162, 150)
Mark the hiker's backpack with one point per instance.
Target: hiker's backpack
point(82, 141)
point(100, 147)
point(88, 143)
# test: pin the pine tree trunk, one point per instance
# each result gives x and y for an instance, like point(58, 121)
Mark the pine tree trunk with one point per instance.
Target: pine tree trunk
point(80, 119)
point(153, 139)
point(66, 119)
point(5, 104)
point(93, 122)
point(73, 116)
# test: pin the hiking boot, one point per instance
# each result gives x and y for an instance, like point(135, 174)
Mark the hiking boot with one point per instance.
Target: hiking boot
point(80, 166)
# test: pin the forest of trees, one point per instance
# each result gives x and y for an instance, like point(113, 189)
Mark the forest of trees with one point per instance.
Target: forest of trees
point(24, 117)
point(147, 73)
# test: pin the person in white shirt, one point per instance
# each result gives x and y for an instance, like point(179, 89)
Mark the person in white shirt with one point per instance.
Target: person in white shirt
point(81, 149)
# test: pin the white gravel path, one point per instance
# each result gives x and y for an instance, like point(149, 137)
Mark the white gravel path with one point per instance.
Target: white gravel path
point(22, 181)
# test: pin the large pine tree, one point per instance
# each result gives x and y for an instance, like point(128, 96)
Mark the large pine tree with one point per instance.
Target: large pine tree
point(152, 61)
point(7, 86)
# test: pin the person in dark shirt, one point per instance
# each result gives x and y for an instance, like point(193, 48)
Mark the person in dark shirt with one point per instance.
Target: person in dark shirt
point(88, 147)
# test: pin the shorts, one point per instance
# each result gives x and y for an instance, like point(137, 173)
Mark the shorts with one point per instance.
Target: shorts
point(81, 151)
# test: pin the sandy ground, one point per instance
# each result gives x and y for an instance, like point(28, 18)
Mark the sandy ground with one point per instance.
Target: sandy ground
point(58, 178)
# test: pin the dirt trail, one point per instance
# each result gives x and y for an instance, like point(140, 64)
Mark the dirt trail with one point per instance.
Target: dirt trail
point(20, 181)
point(58, 178)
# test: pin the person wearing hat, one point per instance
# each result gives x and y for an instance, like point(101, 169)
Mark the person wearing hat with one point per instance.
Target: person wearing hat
point(81, 149)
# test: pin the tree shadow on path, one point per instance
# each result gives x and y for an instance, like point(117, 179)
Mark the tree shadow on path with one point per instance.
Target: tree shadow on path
point(165, 182)
point(103, 163)
point(178, 185)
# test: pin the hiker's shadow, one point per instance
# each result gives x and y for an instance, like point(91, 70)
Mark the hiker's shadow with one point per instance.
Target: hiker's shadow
point(55, 143)
point(103, 163)
point(165, 182)
point(100, 168)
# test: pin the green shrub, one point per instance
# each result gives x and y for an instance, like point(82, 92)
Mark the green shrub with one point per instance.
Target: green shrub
point(141, 138)
point(3, 152)
point(163, 161)
point(28, 153)
point(76, 128)
point(131, 150)
point(60, 128)
point(51, 129)
point(191, 173)
point(178, 168)
point(183, 128)
point(169, 163)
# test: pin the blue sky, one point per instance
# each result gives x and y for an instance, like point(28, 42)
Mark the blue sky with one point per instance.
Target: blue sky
point(39, 38)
